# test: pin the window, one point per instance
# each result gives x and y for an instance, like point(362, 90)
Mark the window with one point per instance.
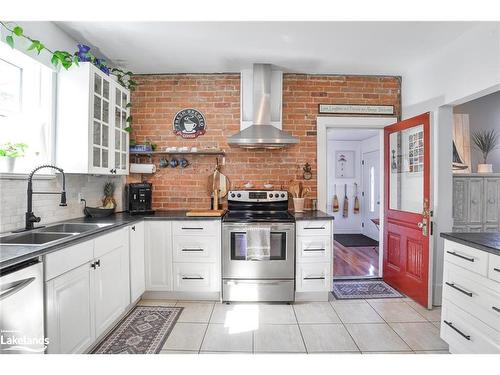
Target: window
point(26, 110)
point(372, 189)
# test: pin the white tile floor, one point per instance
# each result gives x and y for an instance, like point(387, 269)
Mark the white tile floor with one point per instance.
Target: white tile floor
point(357, 326)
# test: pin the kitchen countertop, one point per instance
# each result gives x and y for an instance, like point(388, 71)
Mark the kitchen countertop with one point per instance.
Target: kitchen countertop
point(14, 254)
point(485, 241)
point(312, 215)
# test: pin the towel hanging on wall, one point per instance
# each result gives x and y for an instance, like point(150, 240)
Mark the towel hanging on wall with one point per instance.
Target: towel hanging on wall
point(356, 199)
point(335, 205)
point(345, 210)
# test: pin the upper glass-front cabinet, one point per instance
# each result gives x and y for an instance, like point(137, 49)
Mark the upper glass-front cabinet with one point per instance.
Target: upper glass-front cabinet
point(91, 121)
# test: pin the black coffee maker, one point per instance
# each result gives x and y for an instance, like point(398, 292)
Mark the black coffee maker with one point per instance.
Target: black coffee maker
point(139, 198)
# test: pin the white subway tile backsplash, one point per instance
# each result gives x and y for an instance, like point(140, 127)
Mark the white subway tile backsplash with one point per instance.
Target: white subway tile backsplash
point(13, 198)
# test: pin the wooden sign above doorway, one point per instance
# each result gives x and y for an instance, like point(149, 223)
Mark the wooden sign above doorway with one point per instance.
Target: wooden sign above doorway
point(355, 109)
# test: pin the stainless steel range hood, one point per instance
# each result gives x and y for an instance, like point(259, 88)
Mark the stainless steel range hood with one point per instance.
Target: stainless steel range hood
point(261, 134)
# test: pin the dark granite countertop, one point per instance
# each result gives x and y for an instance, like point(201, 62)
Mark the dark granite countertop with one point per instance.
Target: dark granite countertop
point(311, 215)
point(13, 254)
point(485, 241)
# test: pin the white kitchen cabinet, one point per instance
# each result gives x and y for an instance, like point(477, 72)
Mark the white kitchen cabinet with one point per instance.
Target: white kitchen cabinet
point(110, 287)
point(137, 263)
point(158, 241)
point(470, 320)
point(92, 117)
point(85, 299)
point(314, 260)
point(70, 311)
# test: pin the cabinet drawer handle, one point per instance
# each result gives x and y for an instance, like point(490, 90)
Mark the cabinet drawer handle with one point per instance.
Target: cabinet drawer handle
point(450, 324)
point(314, 250)
point(459, 289)
point(133, 228)
point(192, 250)
point(496, 309)
point(461, 256)
point(192, 278)
point(314, 228)
point(314, 278)
point(496, 269)
point(189, 228)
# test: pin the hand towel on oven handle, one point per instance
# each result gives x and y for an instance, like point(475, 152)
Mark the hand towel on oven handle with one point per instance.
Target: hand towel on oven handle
point(259, 243)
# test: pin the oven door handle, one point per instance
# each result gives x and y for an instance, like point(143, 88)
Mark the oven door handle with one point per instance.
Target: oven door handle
point(267, 282)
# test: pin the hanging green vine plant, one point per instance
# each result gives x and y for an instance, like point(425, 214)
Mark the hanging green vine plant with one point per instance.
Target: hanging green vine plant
point(67, 60)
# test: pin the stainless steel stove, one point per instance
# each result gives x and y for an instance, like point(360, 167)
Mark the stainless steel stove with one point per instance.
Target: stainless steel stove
point(244, 278)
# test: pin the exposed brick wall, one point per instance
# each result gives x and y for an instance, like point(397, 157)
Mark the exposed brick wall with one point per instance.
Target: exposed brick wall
point(159, 97)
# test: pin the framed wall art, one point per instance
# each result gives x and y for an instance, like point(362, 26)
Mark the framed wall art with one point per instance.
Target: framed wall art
point(344, 164)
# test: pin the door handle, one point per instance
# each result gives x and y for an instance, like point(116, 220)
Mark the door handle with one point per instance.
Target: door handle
point(9, 289)
point(459, 289)
point(450, 324)
point(423, 225)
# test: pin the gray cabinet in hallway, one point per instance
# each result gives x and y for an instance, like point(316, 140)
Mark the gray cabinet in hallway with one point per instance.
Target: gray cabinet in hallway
point(476, 203)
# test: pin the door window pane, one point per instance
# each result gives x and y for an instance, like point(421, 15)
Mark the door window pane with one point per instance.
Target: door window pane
point(117, 160)
point(96, 157)
point(117, 140)
point(124, 99)
point(124, 119)
point(406, 170)
point(117, 117)
point(105, 89)
point(105, 135)
point(118, 98)
point(124, 142)
point(97, 107)
point(97, 133)
point(97, 84)
point(105, 111)
point(105, 158)
point(124, 161)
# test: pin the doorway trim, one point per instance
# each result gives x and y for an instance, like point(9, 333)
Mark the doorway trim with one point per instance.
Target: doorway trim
point(344, 122)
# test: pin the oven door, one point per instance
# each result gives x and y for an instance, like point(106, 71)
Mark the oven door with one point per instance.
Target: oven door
point(234, 252)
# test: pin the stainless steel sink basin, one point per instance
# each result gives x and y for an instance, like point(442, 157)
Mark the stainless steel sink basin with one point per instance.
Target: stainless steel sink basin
point(33, 238)
point(71, 228)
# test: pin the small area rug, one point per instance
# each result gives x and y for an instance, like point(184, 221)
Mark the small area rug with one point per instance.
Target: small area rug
point(354, 240)
point(363, 289)
point(143, 331)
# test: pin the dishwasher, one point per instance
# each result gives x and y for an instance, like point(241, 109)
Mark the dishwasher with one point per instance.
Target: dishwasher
point(21, 308)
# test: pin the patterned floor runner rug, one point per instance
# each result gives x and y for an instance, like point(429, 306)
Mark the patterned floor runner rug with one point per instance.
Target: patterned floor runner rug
point(363, 289)
point(143, 331)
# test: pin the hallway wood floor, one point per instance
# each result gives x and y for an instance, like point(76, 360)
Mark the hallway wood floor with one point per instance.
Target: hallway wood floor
point(354, 261)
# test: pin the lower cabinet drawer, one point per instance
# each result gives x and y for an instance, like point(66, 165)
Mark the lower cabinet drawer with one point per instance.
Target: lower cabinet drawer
point(196, 277)
point(313, 277)
point(467, 257)
point(466, 334)
point(62, 261)
point(473, 293)
point(196, 248)
point(197, 227)
point(494, 267)
point(313, 227)
point(314, 249)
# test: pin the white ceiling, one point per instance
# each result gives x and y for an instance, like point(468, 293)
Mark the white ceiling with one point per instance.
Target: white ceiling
point(305, 47)
point(351, 134)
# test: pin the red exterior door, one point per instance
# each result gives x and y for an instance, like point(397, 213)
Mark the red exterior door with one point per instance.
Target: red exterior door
point(406, 207)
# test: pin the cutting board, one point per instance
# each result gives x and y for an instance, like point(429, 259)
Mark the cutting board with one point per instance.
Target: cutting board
point(202, 213)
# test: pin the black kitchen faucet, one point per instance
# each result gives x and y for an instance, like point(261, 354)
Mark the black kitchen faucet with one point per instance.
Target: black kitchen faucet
point(30, 216)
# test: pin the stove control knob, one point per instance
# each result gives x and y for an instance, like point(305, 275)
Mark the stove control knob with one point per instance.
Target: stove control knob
point(270, 195)
point(282, 195)
point(232, 195)
point(239, 195)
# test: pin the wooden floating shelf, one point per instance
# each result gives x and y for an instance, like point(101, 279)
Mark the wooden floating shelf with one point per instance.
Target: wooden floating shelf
point(152, 153)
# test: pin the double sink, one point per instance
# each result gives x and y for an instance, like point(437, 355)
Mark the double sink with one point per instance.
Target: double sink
point(49, 234)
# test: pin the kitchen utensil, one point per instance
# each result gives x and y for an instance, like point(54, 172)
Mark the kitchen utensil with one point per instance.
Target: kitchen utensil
point(223, 185)
point(174, 163)
point(335, 205)
point(163, 163)
point(202, 213)
point(345, 209)
point(356, 199)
